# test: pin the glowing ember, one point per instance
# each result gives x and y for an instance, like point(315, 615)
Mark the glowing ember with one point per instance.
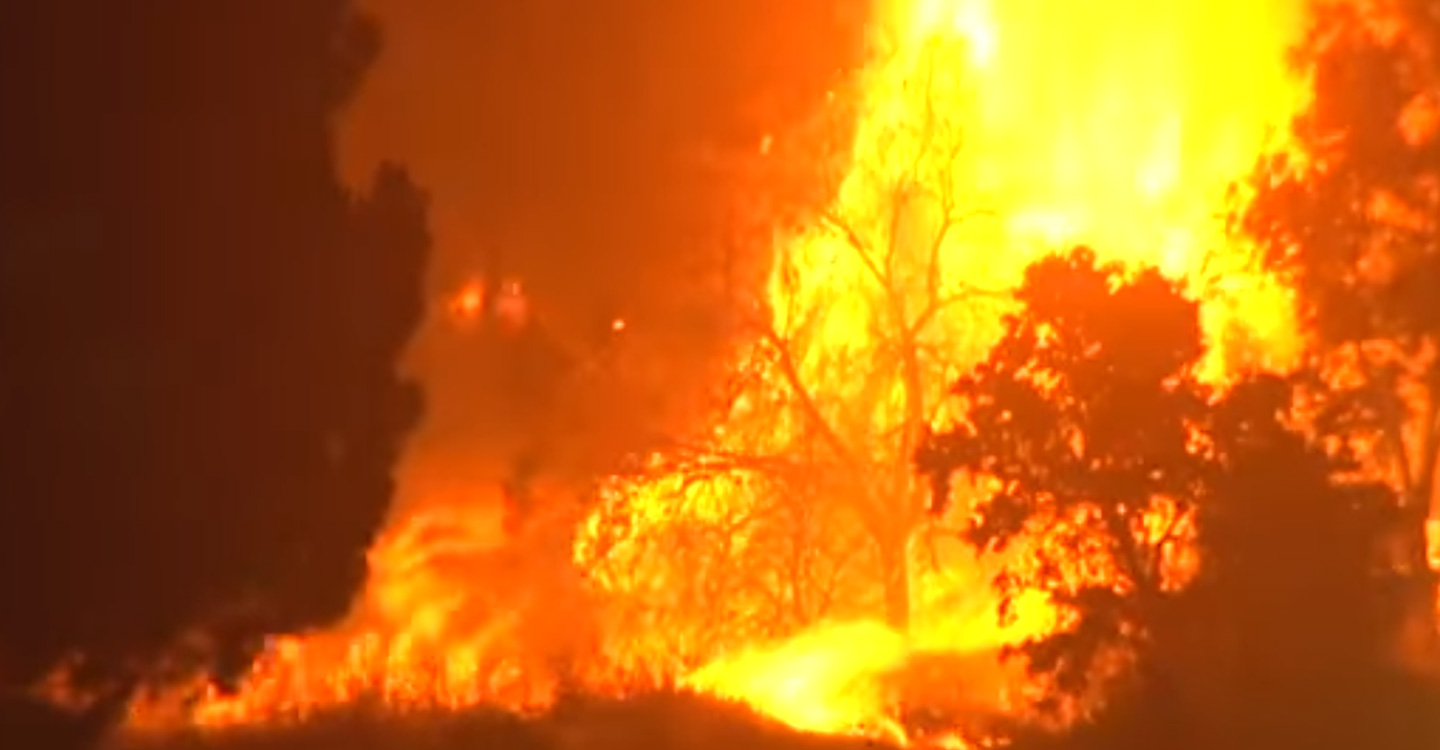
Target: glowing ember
point(512, 306)
point(991, 132)
point(469, 303)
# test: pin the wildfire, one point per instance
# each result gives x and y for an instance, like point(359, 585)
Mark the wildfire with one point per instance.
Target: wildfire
point(787, 559)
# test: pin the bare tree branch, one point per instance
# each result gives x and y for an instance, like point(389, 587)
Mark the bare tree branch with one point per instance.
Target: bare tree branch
point(785, 359)
point(966, 294)
point(857, 243)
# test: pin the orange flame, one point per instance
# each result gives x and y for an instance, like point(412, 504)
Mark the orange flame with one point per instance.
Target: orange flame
point(991, 132)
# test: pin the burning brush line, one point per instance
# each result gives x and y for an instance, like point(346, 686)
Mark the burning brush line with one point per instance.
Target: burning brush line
point(789, 559)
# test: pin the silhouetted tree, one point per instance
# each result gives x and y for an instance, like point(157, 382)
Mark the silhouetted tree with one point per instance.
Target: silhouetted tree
point(1285, 636)
point(1080, 420)
point(199, 326)
point(1352, 222)
point(1218, 564)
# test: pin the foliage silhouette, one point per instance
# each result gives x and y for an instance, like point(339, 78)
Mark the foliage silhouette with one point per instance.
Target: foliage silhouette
point(1350, 221)
point(1231, 591)
point(1080, 417)
point(199, 327)
point(1292, 616)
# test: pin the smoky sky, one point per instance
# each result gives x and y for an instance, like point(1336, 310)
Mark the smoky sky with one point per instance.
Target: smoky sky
point(570, 137)
point(567, 134)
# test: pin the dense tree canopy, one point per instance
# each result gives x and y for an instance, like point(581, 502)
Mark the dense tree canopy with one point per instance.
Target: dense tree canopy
point(1080, 418)
point(1350, 220)
point(198, 325)
point(1218, 565)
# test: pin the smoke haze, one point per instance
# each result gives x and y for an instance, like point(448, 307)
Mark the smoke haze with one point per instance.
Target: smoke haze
point(568, 139)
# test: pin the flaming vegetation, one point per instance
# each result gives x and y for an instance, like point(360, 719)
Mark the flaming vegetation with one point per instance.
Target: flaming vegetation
point(785, 553)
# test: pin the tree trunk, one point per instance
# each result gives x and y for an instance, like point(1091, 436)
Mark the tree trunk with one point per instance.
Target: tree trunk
point(1420, 641)
point(895, 569)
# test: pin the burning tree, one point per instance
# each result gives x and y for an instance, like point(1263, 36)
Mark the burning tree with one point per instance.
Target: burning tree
point(865, 319)
point(859, 352)
point(882, 289)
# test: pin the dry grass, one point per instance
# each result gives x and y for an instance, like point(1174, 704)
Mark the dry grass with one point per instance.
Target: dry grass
point(657, 721)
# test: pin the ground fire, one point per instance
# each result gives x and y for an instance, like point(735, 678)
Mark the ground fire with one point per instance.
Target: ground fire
point(786, 556)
